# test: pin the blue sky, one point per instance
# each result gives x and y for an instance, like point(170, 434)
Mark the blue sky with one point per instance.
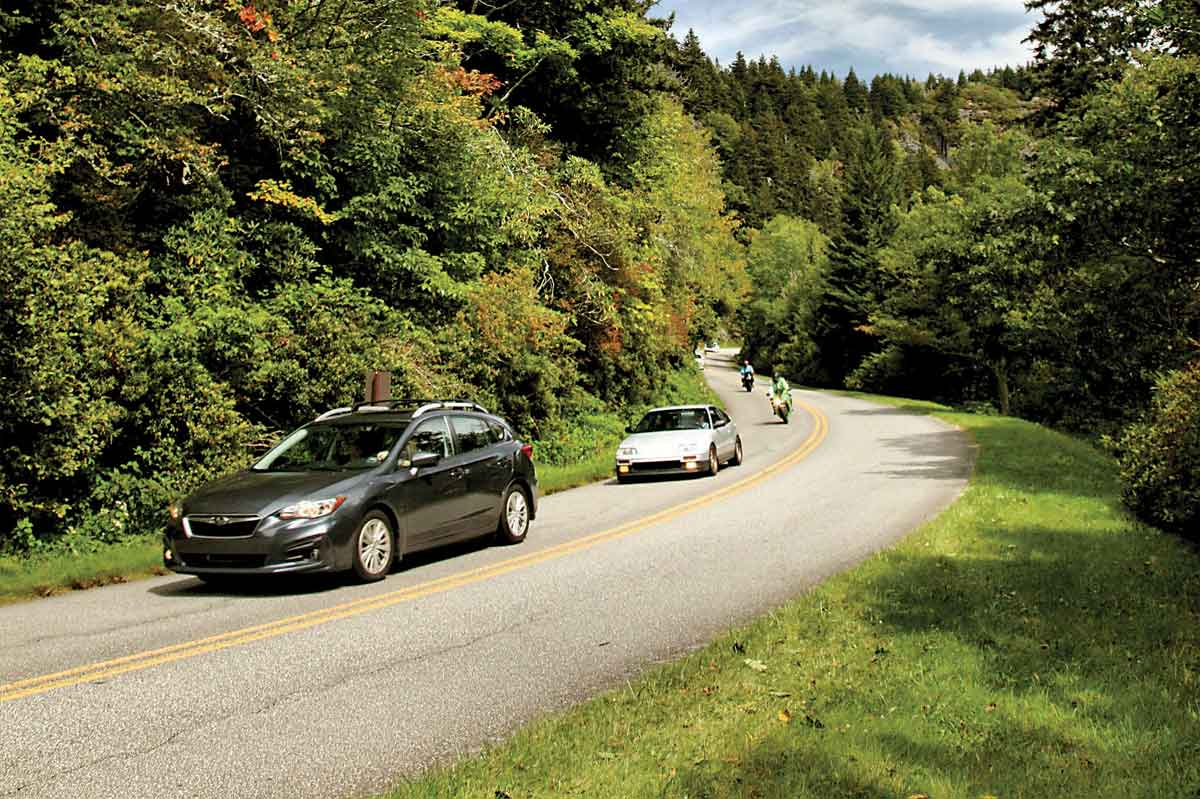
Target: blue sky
point(904, 37)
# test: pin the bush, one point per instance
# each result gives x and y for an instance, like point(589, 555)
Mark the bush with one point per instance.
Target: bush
point(1160, 456)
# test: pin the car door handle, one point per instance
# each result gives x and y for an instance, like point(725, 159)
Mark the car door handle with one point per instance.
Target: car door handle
point(459, 473)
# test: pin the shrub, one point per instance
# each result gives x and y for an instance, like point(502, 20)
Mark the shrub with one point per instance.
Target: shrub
point(1160, 456)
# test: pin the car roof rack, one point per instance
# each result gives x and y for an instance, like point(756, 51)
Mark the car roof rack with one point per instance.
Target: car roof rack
point(417, 406)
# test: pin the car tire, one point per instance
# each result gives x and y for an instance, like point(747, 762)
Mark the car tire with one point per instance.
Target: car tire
point(714, 463)
point(737, 458)
point(374, 547)
point(514, 516)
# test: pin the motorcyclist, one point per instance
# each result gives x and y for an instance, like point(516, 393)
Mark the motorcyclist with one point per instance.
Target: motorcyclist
point(746, 369)
point(779, 387)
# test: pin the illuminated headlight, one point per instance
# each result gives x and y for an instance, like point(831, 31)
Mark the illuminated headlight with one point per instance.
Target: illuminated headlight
point(627, 452)
point(312, 508)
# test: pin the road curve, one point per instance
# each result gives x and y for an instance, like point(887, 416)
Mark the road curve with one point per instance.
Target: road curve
point(319, 688)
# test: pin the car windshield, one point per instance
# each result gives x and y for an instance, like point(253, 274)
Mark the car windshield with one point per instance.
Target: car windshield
point(332, 448)
point(678, 419)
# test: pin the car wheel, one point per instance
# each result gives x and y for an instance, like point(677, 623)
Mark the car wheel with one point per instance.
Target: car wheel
point(514, 516)
point(374, 547)
point(714, 465)
point(737, 452)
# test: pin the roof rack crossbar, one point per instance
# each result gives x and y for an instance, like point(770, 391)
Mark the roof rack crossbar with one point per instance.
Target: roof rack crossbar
point(419, 407)
point(459, 405)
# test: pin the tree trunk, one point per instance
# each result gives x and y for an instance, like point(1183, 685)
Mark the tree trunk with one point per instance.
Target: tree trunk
point(1000, 370)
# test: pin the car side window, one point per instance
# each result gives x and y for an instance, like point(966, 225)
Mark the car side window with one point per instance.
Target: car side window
point(472, 433)
point(430, 437)
point(719, 417)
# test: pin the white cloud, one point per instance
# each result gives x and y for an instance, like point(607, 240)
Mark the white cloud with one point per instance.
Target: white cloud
point(904, 36)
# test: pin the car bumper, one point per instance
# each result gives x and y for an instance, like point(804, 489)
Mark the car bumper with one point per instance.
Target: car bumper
point(275, 547)
point(649, 468)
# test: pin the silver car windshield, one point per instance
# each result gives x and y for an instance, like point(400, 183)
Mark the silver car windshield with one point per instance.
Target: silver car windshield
point(679, 419)
point(332, 448)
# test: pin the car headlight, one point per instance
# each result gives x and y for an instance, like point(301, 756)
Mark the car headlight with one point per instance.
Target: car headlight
point(627, 452)
point(311, 508)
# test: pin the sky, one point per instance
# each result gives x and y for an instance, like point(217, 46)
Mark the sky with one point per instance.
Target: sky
point(904, 37)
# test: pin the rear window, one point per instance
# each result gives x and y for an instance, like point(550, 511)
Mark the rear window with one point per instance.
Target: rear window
point(472, 432)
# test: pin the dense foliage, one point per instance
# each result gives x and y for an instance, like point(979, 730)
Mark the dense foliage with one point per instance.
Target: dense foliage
point(218, 216)
point(1023, 240)
point(1161, 455)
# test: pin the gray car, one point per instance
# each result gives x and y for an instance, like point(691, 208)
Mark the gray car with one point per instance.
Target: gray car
point(679, 439)
point(355, 490)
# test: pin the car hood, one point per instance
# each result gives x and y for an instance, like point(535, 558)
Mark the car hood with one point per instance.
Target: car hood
point(264, 493)
point(668, 444)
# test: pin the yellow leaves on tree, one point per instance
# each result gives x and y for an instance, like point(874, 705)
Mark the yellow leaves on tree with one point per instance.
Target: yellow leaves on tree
point(275, 192)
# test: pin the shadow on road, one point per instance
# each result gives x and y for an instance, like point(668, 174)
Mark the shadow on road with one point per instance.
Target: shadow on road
point(270, 585)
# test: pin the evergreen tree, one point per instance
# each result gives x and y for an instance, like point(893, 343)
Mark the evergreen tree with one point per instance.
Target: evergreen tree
point(854, 286)
point(856, 93)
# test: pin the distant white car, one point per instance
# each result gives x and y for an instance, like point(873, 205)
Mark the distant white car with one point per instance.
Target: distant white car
point(679, 439)
point(711, 347)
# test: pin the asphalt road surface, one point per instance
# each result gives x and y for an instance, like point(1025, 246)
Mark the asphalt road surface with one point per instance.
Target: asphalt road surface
point(323, 688)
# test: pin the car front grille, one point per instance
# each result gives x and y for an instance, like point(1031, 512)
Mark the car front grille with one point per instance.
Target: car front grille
point(217, 526)
point(225, 561)
point(654, 466)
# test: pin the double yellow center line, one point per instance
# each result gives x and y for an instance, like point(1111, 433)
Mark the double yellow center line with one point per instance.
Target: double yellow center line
point(143, 660)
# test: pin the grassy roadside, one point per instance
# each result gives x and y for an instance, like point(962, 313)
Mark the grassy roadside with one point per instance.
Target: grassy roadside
point(58, 571)
point(1030, 642)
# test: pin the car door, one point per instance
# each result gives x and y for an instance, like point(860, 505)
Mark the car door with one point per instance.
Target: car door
point(487, 467)
point(724, 433)
point(429, 497)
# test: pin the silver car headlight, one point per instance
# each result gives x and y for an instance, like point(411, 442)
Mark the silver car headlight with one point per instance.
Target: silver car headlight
point(312, 508)
point(626, 452)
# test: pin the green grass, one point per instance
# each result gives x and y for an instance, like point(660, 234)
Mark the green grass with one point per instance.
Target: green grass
point(1031, 642)
point(24, 578)
point(62, 570)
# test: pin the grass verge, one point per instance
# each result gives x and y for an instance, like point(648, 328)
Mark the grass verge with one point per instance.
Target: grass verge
point(45, 575)
point(1030, 642)
point(41, 575)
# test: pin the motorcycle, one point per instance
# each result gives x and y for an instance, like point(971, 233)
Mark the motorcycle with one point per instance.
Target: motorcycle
point(748, 381)
point(779, 405)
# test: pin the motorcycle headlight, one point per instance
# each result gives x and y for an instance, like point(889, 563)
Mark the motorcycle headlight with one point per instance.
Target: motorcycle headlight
point(311, 508)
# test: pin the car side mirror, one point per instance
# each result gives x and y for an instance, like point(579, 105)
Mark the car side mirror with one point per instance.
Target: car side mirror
point(425, 459)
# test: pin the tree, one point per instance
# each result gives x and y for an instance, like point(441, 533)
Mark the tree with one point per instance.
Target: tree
point(854, 284)
point(786, 261)
point(856, 93)
point(964, 274)
point(1080, 44)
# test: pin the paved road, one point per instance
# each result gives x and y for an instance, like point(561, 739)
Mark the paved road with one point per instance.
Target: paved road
point(320, 688)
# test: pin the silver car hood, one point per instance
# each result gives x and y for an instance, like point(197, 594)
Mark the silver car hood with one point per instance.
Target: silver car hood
point(668, 444)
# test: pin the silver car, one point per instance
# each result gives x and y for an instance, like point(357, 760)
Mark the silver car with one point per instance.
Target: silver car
point(681, 439)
